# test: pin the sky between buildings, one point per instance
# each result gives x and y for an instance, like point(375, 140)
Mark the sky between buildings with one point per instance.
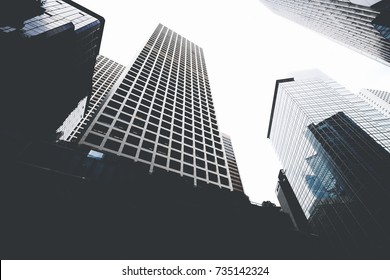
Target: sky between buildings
point(247, 48)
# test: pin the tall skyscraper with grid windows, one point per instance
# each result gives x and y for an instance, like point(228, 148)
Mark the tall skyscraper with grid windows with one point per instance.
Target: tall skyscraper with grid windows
point(162, 113)
point(334, 148)
point(363, 26)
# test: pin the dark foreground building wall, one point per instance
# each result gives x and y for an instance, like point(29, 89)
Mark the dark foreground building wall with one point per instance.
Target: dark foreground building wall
point(47, 59)
point(289, 203)
point(64, 202)
point(354, 212)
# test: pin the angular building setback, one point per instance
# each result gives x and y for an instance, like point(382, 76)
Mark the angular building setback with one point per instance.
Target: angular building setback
point(334, 148)
point(105, 75)
point(48, 53)
point(363, 26)
point(162, 113)
point(289, 203)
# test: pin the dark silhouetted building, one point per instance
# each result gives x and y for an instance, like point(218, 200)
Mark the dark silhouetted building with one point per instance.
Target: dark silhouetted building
point(48, 53)
point(354, 210)
point(334, 148)
point(363, 26)
point(289, 203)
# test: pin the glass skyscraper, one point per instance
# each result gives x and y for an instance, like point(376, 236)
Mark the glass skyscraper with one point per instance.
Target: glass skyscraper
point(334, 148)
point(360, 25)
point(162, 113)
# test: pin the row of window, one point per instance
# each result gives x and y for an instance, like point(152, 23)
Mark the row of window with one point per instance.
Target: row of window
point(174, 82)
point(164, 135)
point(184, 82)
point(167, 113)
point(179, 62)
point(154, 53)
point(176, 141)
point(177, 66)
point(155, 123)
point(172, 91)
point(169, 107)
point(171, 87)
point(175, 40)
point(175, 158)
point(171, 94)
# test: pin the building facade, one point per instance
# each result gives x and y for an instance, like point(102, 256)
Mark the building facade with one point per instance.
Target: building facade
point(232, 163)
point(334, 148)
point(363, 27)
point(378, 99)
point(384, 95)
point(48, 55)
point(289, 203)
point(105, 75)
point(162, 113)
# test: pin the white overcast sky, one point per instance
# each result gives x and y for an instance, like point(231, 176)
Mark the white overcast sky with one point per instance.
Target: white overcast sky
point(247, 48)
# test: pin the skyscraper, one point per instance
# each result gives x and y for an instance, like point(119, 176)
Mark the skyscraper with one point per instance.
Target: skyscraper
point(360, 25)
point(105, 75)
point(384, 95)
point(162, 113)
point(48, 53)
point(334, 148)
point(378, 99)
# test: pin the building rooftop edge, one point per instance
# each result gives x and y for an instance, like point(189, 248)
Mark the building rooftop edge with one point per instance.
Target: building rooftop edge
point(274, 101)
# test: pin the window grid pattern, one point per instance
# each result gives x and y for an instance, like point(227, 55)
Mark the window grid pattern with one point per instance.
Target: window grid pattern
point(344, 22)
point(232, 164)
point(162, 113)
point(380, 100)
point(384, 95)
point(57, 14)
point(317, 182)
point(105, 75)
